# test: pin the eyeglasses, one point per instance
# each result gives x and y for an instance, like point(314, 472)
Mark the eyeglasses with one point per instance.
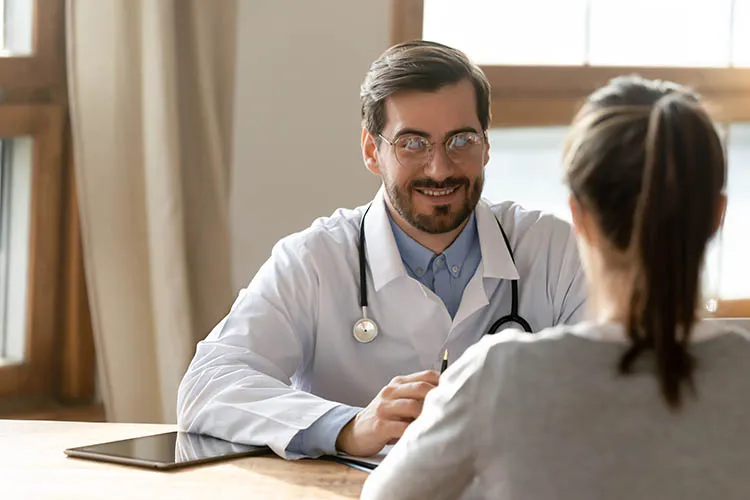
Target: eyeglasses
point(414, 151)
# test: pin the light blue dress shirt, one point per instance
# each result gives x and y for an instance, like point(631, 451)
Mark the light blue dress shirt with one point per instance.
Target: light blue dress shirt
point(446, 275)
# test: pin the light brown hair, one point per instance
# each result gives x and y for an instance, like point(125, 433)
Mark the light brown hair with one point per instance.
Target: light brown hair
point(645, 159)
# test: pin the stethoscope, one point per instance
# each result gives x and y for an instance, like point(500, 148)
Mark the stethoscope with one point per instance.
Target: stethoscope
point(366, 329)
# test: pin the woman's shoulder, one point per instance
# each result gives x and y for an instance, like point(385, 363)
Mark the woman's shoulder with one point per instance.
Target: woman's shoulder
point(518, 348)
point(510, 337)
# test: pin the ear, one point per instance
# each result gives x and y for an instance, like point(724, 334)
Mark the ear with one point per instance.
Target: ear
point(486, 158)
point(370, 152)
point(721, 210)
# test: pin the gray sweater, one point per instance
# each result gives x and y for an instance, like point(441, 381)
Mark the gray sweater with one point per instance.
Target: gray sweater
point(546, 416)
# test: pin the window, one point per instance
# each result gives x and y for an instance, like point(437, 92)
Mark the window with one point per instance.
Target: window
point(594, 32)
point(16, 28)
point(543, 58)
point(38, 219)
point(520, 157)
point(15, 202)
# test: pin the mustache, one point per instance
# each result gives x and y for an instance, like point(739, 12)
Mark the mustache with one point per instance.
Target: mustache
point(431, 184)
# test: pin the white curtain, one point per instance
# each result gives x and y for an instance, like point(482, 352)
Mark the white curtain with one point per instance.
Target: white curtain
point(150, 86)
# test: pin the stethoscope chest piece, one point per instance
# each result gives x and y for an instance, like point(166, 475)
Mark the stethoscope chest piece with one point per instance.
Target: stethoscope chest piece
point(365, 330)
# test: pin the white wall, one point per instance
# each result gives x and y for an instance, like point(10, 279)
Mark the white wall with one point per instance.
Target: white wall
point(297, 127)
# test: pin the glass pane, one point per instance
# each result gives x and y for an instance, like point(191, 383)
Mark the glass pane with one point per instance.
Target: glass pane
point(741, 30)
point(15, 197)
point(660, 32)
point(16, 27)
point(733, 267)
point(510, 31)
point(525, 167)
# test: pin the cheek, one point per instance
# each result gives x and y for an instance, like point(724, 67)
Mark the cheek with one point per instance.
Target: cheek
point(395, 176)
point(474, 172)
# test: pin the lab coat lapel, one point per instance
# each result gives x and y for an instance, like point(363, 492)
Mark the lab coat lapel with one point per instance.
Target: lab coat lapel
point(496, 264)
point(383, 257)
point(495, 256)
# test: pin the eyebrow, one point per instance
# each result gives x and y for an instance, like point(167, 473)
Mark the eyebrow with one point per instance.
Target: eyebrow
point(422, 133)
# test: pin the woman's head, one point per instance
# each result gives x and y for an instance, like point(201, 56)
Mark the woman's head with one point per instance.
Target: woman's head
point(646, 172)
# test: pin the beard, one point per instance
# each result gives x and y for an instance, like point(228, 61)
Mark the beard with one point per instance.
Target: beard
point(443, 218)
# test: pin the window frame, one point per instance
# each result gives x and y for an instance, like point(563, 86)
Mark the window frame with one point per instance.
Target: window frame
point(29, 78)
point(59, 364)
point(525, 96)
point(44, 124)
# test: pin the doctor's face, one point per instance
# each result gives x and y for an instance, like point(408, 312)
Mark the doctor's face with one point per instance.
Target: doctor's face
point(431, 156)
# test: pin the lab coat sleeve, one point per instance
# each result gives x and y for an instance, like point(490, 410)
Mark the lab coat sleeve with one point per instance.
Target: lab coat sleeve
point(320, 438)
point(569, 289)
point(436, 456)
point(238, 386)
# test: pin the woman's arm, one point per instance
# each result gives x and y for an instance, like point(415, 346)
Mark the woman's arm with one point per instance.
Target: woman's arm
point(435, 458)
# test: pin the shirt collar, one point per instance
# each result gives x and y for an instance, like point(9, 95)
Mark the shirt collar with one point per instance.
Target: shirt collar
point(418, 258)
point(456, 254)
point(415, 256)
point(384, 258)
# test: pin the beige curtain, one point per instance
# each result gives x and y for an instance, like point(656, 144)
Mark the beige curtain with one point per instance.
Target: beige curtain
point(150, 87)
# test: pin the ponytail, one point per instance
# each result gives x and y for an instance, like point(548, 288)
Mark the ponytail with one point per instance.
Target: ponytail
point(673, 220)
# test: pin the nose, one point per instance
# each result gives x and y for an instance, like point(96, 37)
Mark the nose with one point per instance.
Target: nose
point(440, 167)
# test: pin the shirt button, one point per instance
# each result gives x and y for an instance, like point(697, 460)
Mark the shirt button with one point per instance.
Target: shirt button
point(454, 269)
point(419, 272)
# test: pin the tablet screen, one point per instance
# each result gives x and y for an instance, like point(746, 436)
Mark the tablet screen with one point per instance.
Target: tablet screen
point(168, 450)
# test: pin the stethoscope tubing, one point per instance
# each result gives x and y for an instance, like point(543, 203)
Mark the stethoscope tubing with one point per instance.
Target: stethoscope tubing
point(513, 317)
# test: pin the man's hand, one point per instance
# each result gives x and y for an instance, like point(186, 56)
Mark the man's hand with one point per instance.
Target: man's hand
point(385, 419)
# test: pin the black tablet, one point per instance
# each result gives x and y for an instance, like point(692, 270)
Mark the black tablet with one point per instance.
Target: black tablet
point(166, 451)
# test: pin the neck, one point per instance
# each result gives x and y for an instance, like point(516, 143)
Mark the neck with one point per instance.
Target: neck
point(610, 297)
point(436, 243)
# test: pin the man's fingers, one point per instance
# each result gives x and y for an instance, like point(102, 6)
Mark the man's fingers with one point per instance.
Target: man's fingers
point(429, 376)
point(399, 409)
point(412, 390)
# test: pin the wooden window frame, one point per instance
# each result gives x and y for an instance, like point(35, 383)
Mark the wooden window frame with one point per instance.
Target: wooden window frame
point(534, 96)
point(43, 123)
point(59, 364)
point(38, 77)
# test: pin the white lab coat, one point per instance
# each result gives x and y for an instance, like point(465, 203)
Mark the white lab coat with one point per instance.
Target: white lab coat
point(285, 354)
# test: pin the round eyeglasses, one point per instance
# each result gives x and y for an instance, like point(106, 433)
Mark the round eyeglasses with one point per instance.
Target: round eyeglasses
point(415, 151)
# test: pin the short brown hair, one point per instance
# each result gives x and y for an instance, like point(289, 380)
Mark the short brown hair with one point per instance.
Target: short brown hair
point(419, 65)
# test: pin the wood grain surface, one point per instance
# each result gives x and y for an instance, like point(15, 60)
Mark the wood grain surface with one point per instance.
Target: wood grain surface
point(33, 465)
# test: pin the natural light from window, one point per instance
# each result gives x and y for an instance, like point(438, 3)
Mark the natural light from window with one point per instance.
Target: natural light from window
point(596, 32)
point(525, 162)
point(15, 201)
point(16, 27)
point(525, 167)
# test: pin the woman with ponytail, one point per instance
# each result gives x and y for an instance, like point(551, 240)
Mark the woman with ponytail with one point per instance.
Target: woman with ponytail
point(644, 400)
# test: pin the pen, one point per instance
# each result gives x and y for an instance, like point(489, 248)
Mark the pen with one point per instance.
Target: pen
point(445, 362)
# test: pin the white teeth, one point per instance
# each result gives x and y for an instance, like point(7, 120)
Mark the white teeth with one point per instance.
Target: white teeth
point(443, 192)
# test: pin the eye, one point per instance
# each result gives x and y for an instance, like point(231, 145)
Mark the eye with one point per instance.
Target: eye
point(412, 143)
point(463, 141)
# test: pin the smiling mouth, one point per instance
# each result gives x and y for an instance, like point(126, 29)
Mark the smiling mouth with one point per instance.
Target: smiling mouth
point(437, 192)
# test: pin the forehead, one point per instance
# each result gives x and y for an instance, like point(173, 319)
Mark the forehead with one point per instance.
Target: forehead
point(449, 108)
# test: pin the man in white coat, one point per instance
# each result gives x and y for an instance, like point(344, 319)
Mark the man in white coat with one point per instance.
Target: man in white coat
point(290, 367)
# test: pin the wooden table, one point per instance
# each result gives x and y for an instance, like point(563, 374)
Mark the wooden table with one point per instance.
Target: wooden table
point(33, 466)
